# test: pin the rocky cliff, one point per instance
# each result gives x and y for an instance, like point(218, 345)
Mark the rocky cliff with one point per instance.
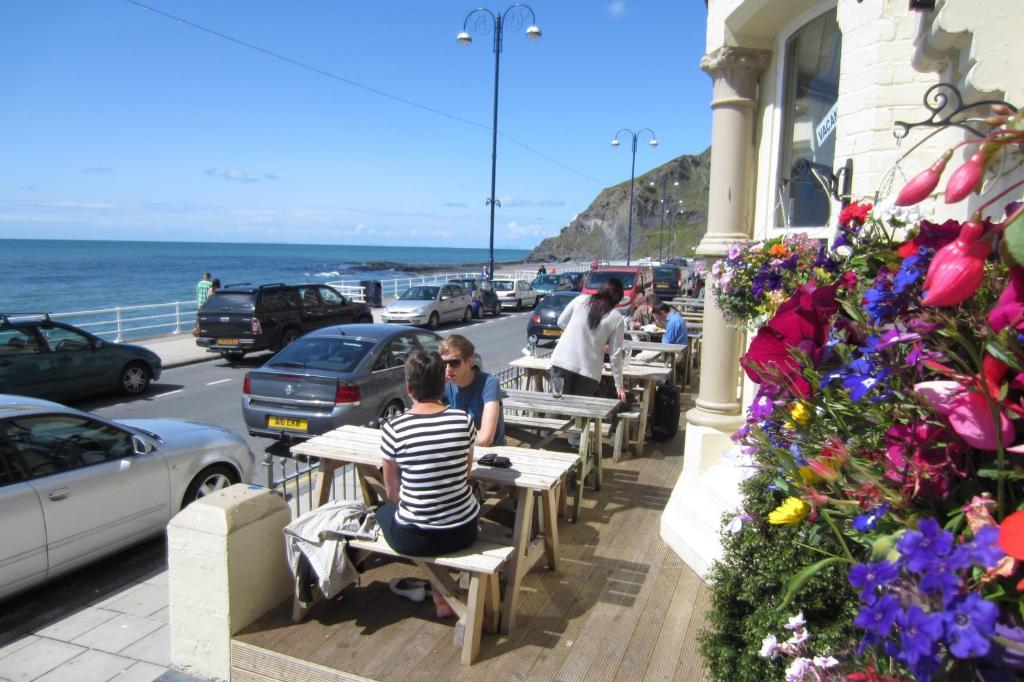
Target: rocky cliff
point(600, 230)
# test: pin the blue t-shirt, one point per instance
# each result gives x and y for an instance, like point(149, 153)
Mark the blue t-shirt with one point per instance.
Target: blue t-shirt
point(471, 399)
point(675, 329)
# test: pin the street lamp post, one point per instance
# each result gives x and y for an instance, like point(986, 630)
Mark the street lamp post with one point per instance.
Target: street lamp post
point(632, 176)
point(664, 210)
point(514, 17)
point(673, 213)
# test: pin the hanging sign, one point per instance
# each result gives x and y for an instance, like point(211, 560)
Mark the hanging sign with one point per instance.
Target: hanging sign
point(824, 130)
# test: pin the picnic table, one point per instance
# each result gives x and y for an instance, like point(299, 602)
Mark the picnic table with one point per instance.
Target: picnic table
point(646, 375)
point(589, 414)
point(673, 352)
point(533, 472)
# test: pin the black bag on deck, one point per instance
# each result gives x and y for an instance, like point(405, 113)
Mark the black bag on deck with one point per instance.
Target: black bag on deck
point(666, 412)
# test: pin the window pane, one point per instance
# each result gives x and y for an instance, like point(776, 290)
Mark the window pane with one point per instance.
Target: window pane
point(811, 84)
point(55, 443)
point(17, 342)
point(330, 297)
point(61, 339)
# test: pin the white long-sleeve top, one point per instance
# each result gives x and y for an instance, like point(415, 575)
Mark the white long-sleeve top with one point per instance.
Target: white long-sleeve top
point(581, 349)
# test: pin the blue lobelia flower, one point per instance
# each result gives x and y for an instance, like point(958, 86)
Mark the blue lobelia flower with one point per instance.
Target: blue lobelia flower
point(879, 617)
point(866, 522)
point(798, 455)
point(919, 549)
point(920, 633)
point(942, 574)
point(984, 550)
point(870, 577)
point(969, 625)
point(910, 271)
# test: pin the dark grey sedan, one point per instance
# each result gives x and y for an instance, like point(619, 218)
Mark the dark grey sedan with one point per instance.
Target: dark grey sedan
point(347, 374)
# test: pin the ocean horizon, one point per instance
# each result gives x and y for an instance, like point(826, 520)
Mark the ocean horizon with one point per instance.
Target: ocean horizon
point(64, 275)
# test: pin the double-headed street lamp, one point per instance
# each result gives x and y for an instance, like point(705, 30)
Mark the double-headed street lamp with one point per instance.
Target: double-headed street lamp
point(632, 176)
point(514, 18)
point(664, 210)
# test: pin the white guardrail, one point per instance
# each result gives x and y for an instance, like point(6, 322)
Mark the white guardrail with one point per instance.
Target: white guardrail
point(157, 319)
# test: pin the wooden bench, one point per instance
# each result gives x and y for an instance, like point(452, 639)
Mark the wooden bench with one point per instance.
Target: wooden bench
point(477, 607)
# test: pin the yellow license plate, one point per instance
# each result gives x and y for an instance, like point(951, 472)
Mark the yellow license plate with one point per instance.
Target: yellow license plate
point(551, 332)
point(287, 423)
point(227, 342)
point(661, 286)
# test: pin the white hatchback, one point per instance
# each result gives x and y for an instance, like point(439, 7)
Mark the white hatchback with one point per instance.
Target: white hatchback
point(515, 293)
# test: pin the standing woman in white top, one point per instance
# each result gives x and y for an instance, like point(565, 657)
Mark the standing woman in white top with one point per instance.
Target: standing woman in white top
point(591, 323)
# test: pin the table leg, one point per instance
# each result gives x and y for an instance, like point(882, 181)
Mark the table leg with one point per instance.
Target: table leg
point(549, 504)
point(645, 407)
point(598, 426)
point(371, 498)
point(517, 563)
point(322, 484)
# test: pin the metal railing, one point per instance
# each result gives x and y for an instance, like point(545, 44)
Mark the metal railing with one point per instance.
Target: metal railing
point(137, 320)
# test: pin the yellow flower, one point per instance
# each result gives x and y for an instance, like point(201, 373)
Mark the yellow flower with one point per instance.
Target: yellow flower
point(809, 476)
point(800, 413)
point(793, 510)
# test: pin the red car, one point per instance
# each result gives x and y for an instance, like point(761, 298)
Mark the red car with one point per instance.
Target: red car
point(636, 281)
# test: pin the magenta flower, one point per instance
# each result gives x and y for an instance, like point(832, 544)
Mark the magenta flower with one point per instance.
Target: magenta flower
point(1009, 309)
point(971, 418)
point(924, 183)
point(957, 269)
point(966, 178)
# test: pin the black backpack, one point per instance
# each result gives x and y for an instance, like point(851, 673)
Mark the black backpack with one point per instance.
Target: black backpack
point(665, 424)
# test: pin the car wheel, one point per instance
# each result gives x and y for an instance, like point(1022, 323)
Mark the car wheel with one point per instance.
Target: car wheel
point(518, 306)
point(497, 309)
point(392, 410)
point(432, 322)
point(288, 338)
point(468, 315)
point(209, 480)
point(232, 355)
point(134, 379)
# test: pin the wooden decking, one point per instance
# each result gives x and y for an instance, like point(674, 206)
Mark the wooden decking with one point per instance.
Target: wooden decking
point(622, 607)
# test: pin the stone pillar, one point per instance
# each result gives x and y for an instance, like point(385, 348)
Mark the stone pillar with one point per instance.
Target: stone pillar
point(706, 489)
point(227, 567)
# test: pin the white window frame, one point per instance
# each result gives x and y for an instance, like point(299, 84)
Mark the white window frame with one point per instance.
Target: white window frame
point(775, 149)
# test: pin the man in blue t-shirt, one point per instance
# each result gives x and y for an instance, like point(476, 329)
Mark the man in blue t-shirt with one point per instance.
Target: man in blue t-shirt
point(472, 391)
point(673, 322)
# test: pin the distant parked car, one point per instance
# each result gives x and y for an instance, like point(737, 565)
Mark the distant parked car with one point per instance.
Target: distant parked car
point(546, 284)
point(515, 293)
point(75, 487)
point(349, 374)
point(576, 280)
point(242, 318)
point(429, 306)
point(666, 282)
point(543, 324)
point(47, 359)
point(636, 281)
point(484, 298)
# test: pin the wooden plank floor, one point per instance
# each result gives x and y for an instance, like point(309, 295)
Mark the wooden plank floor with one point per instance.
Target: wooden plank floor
point(622, 607)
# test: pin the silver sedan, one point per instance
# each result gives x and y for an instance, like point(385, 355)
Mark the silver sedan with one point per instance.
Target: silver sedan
point(75, 487)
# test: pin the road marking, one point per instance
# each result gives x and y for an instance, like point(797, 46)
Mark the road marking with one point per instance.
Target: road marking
point(219, 381)
point(161, 395)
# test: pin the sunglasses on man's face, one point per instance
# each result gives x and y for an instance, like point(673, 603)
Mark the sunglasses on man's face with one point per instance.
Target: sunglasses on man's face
point(454, 363)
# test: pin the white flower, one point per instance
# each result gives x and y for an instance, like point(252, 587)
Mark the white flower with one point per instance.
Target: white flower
point(798, 669)
point(825, 662)
point(798, 638)
point(796, 622)
point(769, 647)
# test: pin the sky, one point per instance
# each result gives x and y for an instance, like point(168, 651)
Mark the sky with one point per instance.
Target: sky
point(332, 121)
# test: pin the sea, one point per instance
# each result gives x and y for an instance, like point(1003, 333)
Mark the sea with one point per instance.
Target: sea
point(38, 275)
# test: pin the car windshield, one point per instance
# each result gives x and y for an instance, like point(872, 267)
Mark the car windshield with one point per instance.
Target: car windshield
point(546, 279)
point(665, 273)
point(503, 285)
point(599, 277)
point(557, 301)
point(467, 284)
point(231, 301)
point(419, 294)
point(329, 353)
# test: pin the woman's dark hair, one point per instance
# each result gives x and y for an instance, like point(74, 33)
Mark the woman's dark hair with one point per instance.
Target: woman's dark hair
point(424, 375)
point(604, 301)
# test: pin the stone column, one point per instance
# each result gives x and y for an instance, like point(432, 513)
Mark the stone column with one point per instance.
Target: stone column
point(735, 72)
point(707, 487)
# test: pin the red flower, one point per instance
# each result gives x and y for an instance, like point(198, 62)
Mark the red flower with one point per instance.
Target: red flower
point(856, 211)
point(930, 236)
point(1009, 309)
point(801, 323)
point(1011, 535)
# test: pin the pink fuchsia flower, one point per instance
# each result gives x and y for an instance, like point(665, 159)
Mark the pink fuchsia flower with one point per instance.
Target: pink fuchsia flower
point(966, 178)
point(939, 393)
point(1009, 309)
point(971, 418)
point(958, 268)
point(924, 183)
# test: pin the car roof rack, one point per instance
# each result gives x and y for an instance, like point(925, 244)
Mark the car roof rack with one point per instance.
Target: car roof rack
point(5, 318)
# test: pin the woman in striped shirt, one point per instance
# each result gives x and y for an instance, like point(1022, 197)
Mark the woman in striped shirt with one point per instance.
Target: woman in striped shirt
point(428, 454)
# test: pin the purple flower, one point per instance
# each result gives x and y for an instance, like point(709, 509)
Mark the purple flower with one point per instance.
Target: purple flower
point(919, 549)
point(870, 577)
point(984, 550)
point(878, 618)
point(969, 625)
point(919, 633)
point(735, 251)
point(942, 575)
point(867, 521)
point(761, 408)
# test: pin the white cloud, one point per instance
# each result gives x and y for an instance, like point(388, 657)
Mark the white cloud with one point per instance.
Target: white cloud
point(534, 231)
point(512, 202)
point(617, 8)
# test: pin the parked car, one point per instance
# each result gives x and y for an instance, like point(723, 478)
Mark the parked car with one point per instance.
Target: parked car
point(515, 293)
point(546, 284)
point(242, 318)
point(47, 359)
point(666, 282)
point(576, 280)
point(349, 374)
point(430, 306)
point(636, 281)
point(543, 324)
point(75, 487)
point(484, 298)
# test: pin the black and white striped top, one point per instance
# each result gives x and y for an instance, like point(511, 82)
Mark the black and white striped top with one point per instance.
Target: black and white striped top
point(431, 452)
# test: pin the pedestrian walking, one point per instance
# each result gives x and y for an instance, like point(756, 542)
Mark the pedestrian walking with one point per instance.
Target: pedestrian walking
point(203, 290)
point(542, 270)
point(483, 272)
point(591, 324)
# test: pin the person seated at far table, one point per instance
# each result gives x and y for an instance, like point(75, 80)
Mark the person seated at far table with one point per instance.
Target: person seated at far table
point(675, 330)
point(472, 391)
point(644, 313)
point(427, 454)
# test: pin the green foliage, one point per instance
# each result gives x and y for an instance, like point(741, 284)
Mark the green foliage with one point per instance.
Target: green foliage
point(748, 583)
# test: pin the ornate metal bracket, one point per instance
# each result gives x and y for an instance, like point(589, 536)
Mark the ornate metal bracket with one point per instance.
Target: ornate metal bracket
point(947, 110)
point(837, 184)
